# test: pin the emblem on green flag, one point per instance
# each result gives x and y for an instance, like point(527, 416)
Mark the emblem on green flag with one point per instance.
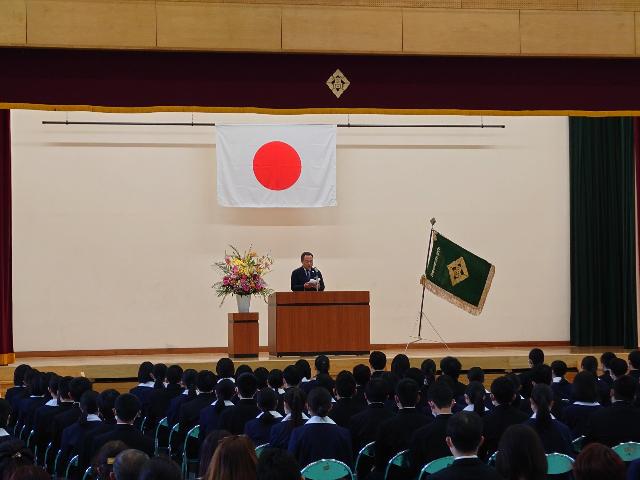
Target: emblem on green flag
point(457, 275)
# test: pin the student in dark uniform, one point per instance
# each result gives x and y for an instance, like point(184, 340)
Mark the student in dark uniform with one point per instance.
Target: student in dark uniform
point(259, 429)
point(560, 386)
point(536, 357)
point(64, 419)
point(5, 409)
point(106, 404)
point(378, 362)
point(585, 403)
point(190, 411)
point(89, 419)
point(306, 278)
point(294, 404)
point(364, 425)
point(590, 364)
point(145, 385)
point(346, 405)
point(320, 437)
point(304, 368)
point(234, 419)
point(605, 361)
point(555, 436)
point(451, 367)
point(18, 391)
point(362, 375)
point(210, 416)
point(521, 454)
point(160, 398)
point(188, 383)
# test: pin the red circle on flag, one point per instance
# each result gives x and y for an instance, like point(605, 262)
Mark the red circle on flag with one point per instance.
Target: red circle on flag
point(277, 165)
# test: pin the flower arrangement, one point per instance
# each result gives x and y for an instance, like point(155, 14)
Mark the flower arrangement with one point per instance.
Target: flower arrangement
point(243, 274)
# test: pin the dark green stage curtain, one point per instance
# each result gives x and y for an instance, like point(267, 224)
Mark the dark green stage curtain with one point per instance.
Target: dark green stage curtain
point(603, 260)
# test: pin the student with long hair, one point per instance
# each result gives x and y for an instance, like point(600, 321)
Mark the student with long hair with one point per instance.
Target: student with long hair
point(294, 403)
point(89, 419)
point(585, 403)
point(597, 462)
point(521, 454)
point(208, 449)
point(235, 459)
point(320, 437)
point(210, 416)
point(145, 384)
point(555, 435)
point(474, 396)
point(259, 429)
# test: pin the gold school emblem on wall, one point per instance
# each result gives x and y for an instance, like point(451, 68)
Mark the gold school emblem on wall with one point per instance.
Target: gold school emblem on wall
point(338, 83)
point(458, 271)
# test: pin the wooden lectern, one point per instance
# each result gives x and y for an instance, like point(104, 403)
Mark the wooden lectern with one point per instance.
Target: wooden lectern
point(243, 334)
point(309, 323)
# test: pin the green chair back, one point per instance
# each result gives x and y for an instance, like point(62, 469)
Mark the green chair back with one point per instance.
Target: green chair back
point(400, 459)
point(628, 451)
point(260, 448)
point(194, 433)
point(88, 474)
point(558, 463)
point(56, 463)
point(29, 438)
point(326, 470)
point(143, 423)
point(164, 423)
point(46, 456)
point(578, 443)
point(365, 457)
point(435, 466)
point(73, 463)
point(492, 459)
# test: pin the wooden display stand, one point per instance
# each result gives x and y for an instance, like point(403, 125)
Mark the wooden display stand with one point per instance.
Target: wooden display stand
point(309, 323)
point(243, 335)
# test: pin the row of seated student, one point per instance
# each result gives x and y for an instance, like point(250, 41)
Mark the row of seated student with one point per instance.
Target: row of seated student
point(404, 408)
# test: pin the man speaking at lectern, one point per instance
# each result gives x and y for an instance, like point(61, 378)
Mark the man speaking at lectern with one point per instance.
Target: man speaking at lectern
point(306, 278)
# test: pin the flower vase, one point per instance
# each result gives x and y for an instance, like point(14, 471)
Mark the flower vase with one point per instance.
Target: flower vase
point(244, 302)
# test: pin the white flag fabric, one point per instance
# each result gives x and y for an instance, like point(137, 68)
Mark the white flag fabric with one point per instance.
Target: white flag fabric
point(276, 165)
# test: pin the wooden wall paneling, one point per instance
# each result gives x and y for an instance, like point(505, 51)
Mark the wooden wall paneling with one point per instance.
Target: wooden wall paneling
point(91, 23)
point(622, 5)
point(461, 32)
point(211, 26)
point(577, 33)
point(342, 29)
point(522, 4)
point(13, 22)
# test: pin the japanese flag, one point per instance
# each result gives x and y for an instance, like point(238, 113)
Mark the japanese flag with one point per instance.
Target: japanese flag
point(276, 165)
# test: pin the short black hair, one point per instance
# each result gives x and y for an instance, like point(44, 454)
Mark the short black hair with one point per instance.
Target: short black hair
point(345, 384)
point(127, 407)
point(225, 368)
point(174, 374)
point(584, 387)
point(63, 387)
point(589, 363)
point(292, 376)
point(541, 373)
point(451, 366)
point(225, 389)
point(277, 464)
point(247, 385)
point(78, 386)
point(19, 373)
point(634, 359)
point(262, 375)
point(376, 390)
point(618, 367)
point(362, 374)
point(144, 372)
point(400, 364)
point(304, 368)
point(275, 379)
point(536, 355)
point(206, 381)
point(89, 402)
point(624, 388)
point(377, 360)
point(416, 375)
point(160, 468)
point(267, 400)
point(465, 431)
point(107, 402)
point(606, 358)
point(322, 364)
point(189, 377)
point(408, 391)
point(319, 401)
point(304, 254)
point(503, 390)
point(159, 373)
point(244, 368)
point(440, 393)
point(559, 368)
point(475, 374)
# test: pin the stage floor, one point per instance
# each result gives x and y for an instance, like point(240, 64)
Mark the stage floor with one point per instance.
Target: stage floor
point(120, 371)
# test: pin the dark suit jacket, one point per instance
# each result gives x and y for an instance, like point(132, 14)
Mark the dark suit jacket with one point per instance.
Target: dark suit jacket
point(494, 425)
point(143, 394)
point(428, 443)
point(281, 434)
point(85, 446)
point(467, 469)
point(299, 278)
point(44, 421)
point(71, 437)
point(63, 420)
point(342, 411)
point(190, 411)
point(313, 442)
point(159, 401)
point(128, 434)
point(613, 425)
point(555, 438)
point(233, 419)
point(561, 390)
point(173, 413)
point(395, 434)
point(576, 417)
point(259, 430)
point(364, 425)
point(209, 420)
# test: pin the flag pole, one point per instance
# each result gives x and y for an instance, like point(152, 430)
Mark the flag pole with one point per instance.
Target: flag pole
point(424, 285)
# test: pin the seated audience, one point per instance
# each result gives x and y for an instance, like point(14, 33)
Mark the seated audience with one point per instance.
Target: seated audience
point(618, 368)
point(208, 448)
point(362, 375)
point(503, 415)
point(621, 421)
point(428, 367)
point(13, 455)
point(519, 402)
point(476, 374)
point(320, 437)
point(190, 410)
point(145, 384)
point(294, 404)
point(428, 442)
point(189, 392)
point(560, 386)
point(364, 425)
point(68, 417)
point(160, 398)
point(555, 436)
point(234, 418)
point(103, 461)
point(590, 364)
point(585, 402)
point(417, 376)
point(291, 377)
point(598, 462)
point(259, 429)
point(210, 416)
point(451, 368)
point(346, 405)
point(160, 468)
point(106, 404)
point(378, 362)
point(605, 362)
point(464, 435)
point(474, 396)
point(89, 419)
point(634, 364)
point(128, 464)
point(536, 357)
point(400, 364)
point(225, 368)
point(159, 375)
point(521, 455)
point(323, 366)
point(304, 368)
point(262, 377)
point(5, 410)
point(127, 409)
point(14, 394)
point(277, 464)
point(234, 459)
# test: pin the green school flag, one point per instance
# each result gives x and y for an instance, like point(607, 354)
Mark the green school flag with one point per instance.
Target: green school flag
point(457, 275)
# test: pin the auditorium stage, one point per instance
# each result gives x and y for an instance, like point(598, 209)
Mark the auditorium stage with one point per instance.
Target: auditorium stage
point(120, 371)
